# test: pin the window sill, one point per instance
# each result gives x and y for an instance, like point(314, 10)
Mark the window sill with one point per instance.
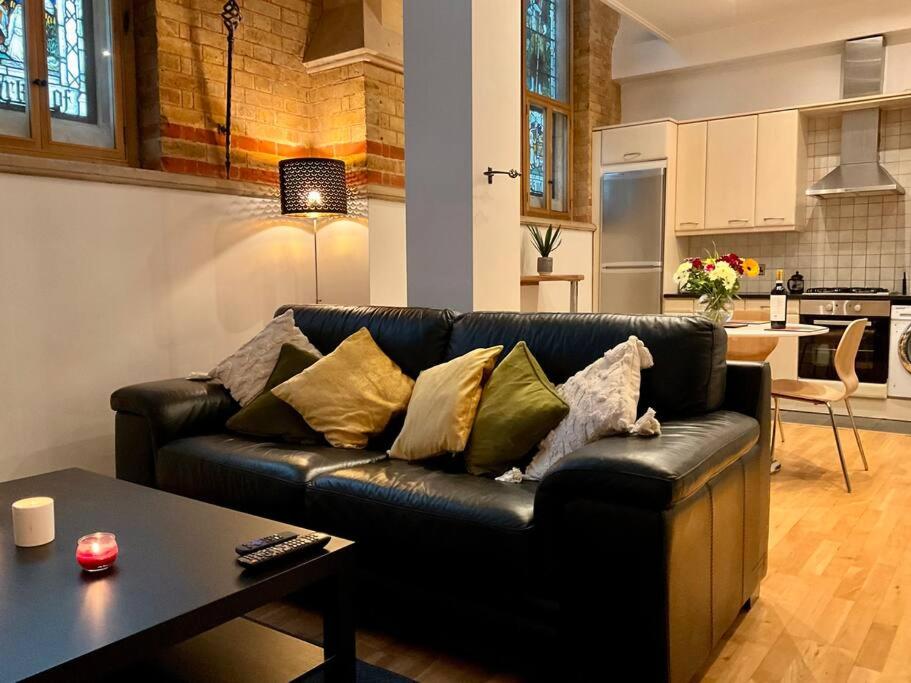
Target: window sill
point(22, 164)
point(557, 223)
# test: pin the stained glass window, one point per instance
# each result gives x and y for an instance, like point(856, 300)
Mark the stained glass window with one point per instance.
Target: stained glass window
point(537, 146)
point(13, 88)
point(546, 48)
point(70, 55)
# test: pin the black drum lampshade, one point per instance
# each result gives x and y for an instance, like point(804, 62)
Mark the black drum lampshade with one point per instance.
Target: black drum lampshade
point(313, 186)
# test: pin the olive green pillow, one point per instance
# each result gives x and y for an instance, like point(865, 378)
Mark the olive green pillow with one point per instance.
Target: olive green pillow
point(267, 416)
point(519, 407)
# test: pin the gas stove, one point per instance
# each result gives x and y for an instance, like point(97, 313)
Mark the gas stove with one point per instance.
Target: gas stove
point(846, 292)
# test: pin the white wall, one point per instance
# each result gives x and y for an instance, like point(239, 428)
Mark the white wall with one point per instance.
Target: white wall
point(574, 256)
point(106, 285)
point(496, 48)
point(787, 79)
point(388, 261)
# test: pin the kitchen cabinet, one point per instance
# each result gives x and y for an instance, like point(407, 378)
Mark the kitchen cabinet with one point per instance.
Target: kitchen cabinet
point(643, 142)
point(730, 178)
point(691, 142)
point(778, 151)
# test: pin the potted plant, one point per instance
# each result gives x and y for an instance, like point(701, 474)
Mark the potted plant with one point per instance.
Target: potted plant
point(715, 279)
point(545, 243)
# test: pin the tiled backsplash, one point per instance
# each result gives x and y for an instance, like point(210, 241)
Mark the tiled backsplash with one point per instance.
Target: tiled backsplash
point(860, 242)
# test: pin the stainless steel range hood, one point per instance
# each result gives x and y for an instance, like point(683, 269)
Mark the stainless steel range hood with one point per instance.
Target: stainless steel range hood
point(860, 173)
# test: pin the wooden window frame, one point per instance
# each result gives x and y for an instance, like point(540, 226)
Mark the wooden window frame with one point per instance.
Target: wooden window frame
point(550, 106)
point(40, 143)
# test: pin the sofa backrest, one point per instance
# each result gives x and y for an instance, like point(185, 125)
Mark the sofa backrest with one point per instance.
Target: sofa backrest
point(689, 352)
point(415, 338)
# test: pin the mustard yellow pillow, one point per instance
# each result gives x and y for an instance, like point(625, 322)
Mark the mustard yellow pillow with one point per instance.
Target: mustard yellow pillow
point(443, 406)
point(350, 394)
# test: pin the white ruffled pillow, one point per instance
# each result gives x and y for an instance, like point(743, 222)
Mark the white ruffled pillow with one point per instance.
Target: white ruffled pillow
point(245, 372)
point(602, 400)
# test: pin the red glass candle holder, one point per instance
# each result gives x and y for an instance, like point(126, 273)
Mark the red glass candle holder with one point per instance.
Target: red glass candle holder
point(96, 552)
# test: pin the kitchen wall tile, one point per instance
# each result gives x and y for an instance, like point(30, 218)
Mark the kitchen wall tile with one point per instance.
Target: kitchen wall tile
point(860, 241)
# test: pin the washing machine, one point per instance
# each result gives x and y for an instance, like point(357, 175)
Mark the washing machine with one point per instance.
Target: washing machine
point(900, 352)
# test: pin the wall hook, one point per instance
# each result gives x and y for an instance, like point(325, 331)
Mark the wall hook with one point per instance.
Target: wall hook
point(490, 173)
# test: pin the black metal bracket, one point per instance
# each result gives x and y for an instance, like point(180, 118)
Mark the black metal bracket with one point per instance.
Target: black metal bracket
point(230, 17)
point(490, 173)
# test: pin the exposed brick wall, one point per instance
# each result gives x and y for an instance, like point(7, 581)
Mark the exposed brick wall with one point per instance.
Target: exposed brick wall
point(385, 126)
point(353, 112)
point(596, 97)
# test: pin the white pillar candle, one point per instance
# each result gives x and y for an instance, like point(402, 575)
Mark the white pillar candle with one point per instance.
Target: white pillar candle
point(33, 521)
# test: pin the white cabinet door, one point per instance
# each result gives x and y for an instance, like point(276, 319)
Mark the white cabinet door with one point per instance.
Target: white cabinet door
point(730, 181)
point(691, 138)
point(627, 144)
point(776, 168)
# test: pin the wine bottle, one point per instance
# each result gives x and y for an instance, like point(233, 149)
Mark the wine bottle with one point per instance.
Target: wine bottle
point(778, 303)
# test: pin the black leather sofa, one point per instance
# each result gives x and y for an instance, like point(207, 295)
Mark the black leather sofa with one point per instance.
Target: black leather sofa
point(635, 554)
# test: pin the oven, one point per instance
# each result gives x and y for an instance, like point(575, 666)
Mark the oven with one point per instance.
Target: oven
point(816, 356)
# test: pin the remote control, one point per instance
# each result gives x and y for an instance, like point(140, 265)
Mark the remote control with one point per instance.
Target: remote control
point(264, 542)
point(311, 541)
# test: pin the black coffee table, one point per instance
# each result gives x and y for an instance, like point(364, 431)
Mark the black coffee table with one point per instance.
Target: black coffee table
point(175, 581)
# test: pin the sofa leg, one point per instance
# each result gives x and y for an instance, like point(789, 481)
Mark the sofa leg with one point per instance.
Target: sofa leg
point(749, 604)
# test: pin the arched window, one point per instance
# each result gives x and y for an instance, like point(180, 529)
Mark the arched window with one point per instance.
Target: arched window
point(547, 104)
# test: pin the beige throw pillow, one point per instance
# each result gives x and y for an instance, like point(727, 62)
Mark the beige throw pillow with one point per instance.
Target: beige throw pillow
point(350, 394)
point(443, 406)
point(244, 373)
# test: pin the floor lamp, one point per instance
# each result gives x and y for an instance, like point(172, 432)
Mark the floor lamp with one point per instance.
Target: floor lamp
point(313, 187)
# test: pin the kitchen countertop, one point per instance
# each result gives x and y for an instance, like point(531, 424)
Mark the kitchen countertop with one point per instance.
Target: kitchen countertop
point(893, 297)
point(745, 295)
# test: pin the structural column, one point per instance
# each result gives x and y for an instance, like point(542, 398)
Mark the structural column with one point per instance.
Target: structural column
point(462, 114)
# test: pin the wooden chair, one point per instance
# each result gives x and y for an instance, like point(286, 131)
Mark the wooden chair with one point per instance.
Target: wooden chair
point(758, 350)
point(823, 394)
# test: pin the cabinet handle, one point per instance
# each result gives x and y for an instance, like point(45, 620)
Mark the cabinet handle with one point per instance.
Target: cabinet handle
point(632, 155)
point(738, 220)
point(774, 218)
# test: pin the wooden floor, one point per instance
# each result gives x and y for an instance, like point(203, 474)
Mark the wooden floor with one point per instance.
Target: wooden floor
point(835, 606)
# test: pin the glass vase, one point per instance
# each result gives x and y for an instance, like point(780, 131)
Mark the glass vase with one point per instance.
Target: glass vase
point(717, 309)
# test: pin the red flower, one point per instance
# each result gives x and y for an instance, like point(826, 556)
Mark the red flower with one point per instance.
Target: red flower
point(697, 263)
point(710, 267)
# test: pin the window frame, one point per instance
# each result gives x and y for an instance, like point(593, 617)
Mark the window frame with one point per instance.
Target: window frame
point(550, 107)
point(40, 142)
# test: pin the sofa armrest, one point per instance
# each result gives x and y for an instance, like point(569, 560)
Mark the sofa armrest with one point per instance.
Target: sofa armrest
point(749, 391)
point(152, 414)
point(653, 473)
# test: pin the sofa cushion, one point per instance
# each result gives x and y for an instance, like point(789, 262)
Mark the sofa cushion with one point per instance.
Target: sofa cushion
point(414, 338)
point(258, 477)
point(655, 473)
point(688, 377)
point(461, 520)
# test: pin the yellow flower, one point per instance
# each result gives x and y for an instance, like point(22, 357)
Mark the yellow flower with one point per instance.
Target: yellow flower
point(750, 267)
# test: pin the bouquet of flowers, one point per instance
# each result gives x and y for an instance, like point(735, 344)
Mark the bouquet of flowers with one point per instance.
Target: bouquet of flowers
point(715, 279)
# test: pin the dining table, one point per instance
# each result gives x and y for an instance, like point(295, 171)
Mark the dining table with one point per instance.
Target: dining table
point(756, 340)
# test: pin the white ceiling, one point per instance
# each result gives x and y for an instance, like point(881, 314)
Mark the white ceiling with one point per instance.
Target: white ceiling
point(673, 19)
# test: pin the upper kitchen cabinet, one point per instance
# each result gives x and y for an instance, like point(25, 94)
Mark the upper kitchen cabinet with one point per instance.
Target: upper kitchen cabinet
point(730, 177)
point(779, 163)
point(691, 140)
point(741, 174)
point(643, 142)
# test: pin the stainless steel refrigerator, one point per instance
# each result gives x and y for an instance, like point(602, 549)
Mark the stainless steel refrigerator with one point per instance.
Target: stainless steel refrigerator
point(632, 240)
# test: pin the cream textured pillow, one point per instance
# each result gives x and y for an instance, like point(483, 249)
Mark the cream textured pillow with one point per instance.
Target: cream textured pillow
point(602, 400)
point(244, 373)
point(443, 406)
point(351, 394)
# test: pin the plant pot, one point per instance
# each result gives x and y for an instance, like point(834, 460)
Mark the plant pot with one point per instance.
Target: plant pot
point(545, 265)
